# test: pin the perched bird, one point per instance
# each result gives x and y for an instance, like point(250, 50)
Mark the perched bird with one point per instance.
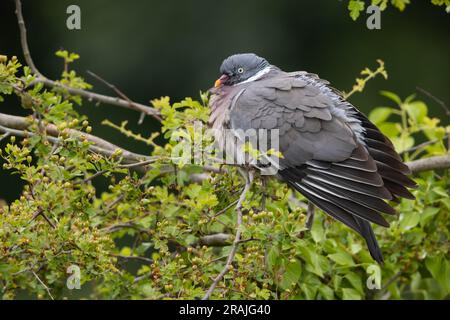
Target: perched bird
point(331, 152)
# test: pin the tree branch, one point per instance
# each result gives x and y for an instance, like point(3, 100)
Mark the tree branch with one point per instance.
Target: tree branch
point(43, 284)
point(248, 176)
point(216, 240)
point(123, 96)
point(18, 126)
point(424, 144)
point(90, 96)
point(432, 163)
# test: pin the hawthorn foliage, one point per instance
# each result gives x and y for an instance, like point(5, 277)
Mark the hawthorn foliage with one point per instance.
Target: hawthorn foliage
point(357, 7)
point(143, 236)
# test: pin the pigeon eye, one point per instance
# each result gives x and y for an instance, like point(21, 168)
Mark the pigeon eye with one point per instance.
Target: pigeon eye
point(240, 70)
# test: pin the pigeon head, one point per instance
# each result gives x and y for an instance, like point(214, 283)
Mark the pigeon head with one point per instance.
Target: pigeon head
point(239, 68)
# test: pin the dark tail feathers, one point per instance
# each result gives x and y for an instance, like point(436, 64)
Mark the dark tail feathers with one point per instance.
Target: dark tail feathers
point(367, 232)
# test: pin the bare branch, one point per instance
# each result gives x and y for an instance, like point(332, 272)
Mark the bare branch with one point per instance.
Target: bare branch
point(248, 176)
point(43, 284)
point(225, 209)
point(18, 126)
point(90, 96)
point(23, 39)
point(216, 240)
point(144, 259)
point(432, 163)
point(424, 144)
point(5, 136)
point(437, 100)
point(123, 96)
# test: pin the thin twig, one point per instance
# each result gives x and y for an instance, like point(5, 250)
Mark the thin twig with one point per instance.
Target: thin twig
point(23, 39)
point(5, 136)
point(424, 144)
point(90, 96)
point(248, 176)
point(43, 284)
point(437, 100)
point(133, 258)
point(40, 212)
point(121, 94)
point(225, 209)
point(110, 206)
point(123, 166)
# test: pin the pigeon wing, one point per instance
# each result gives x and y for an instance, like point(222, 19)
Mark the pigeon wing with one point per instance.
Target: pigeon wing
point(325, 155)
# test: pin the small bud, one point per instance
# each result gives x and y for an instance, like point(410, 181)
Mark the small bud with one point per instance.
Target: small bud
point(85, 123)
point(62, 126)
point(89, 129)
point(13, 139)
point(27, 101)
point(117, 153)
point(29, 159)
point(3, 58)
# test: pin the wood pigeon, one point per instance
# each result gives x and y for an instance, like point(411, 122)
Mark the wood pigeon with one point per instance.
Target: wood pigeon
point(331, 153)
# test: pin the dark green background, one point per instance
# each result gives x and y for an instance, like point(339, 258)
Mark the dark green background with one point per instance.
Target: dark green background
point(155, 48)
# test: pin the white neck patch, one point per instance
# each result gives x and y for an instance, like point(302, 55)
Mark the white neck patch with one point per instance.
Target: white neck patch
point(257, 76)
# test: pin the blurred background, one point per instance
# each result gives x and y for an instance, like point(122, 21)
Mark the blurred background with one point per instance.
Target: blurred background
point(150, 49)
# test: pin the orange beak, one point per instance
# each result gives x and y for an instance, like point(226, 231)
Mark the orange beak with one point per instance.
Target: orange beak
point(223, 78)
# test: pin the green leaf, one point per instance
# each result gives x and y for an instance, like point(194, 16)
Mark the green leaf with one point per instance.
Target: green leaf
point(326, 292)
point(392, 96)
point(400, 4)
point(356, 281)
point(380, 114)
point(440, 191)
point(417, 110)
point(409, 220)
point(291, 274)
point(126, 251)
point(314, 263)
point(439, 269)
point(350, 294)
point(273, 257)
point(317, 231)
point(342, 258)
point(427, 214)
point(390, 129)
point(355, 7)
point(402, 143)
